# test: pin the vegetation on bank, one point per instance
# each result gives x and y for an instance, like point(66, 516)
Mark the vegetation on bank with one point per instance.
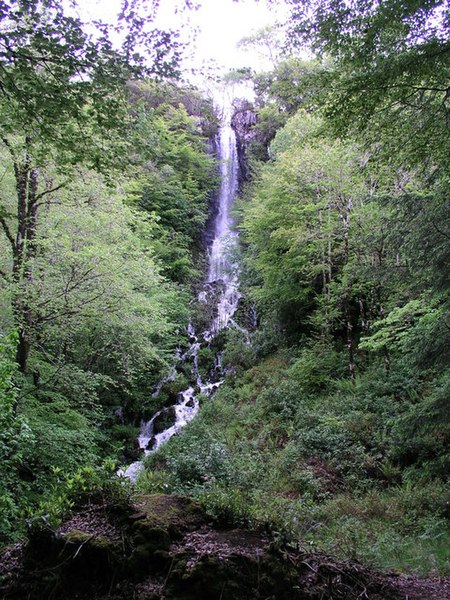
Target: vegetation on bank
point(333, 423)
point(106, 190)
point(334, 427)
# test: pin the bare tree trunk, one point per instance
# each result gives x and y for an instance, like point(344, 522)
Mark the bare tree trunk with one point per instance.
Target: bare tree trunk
point(27, 201)
point(22, 242)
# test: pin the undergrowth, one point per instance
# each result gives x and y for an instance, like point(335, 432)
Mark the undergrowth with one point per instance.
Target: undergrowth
point(318, 461)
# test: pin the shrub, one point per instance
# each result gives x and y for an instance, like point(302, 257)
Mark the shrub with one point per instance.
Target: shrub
point(85, 485)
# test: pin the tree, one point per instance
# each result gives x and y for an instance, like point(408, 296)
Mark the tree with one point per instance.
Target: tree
point(299, 227)
point(390, 75)
point(100, 305)
point(266, 41)
point(62, 102)
point(176, 172)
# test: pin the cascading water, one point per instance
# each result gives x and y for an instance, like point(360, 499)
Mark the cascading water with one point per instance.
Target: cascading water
point(223, 270)
point(223, 277)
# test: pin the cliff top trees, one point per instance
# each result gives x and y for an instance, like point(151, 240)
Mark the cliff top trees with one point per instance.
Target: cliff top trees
point(60, 85)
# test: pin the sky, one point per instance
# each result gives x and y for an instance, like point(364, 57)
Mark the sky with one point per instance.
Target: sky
point(219, 25)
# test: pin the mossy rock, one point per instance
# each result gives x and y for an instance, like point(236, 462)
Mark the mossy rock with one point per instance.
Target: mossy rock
point(75, 561)
point(168, 395)
point(90, 559)
point(208, 578)
point(146, 560)
point(170, 390)
point(168, 549)
point(42, 548)
point(236, 577)
point(172, 514)
point(152, 538)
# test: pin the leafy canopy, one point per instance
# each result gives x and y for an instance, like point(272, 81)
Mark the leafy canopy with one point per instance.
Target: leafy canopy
point(391, 71)
point(62, 82)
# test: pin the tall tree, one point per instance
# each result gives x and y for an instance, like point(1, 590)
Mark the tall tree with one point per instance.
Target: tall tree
point(62, 102)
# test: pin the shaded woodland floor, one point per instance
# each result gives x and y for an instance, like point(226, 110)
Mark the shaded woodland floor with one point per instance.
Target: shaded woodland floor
point(166, 547)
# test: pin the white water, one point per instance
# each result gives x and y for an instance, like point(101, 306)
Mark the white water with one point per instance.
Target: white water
point(223, 274)
point(222, 265)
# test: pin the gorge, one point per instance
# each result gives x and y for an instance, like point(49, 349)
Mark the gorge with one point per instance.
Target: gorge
point(219, 294)
point(278, 401)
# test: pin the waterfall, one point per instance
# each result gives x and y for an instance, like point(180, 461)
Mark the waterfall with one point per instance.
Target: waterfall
point(223, 275)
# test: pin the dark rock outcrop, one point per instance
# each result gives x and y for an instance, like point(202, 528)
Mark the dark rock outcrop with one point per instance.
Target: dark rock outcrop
point(166, 548)
point(243, 122)
point(164, 420)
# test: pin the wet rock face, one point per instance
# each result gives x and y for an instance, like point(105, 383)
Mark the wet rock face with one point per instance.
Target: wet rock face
point(133, 451)
point(243, 122)
point(164, 420)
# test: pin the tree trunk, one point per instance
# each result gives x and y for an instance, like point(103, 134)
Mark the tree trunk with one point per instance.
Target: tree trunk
point(26, 186)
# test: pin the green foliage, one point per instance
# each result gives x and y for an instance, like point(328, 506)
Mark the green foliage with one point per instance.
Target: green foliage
point(15, 438)
point(317, 367)
point(389, 74)
point(339, 434)
point(90, 271)
point(178, 178)
point(65, 438)
point(83, 486)
point(292, 84)
point(298, 227)
point(237, 353)
point(63, 88)
point(402, 528)
point(156, 482)
point(227, 505)
point(102, 309)
point(292, 444)
point(194, 459)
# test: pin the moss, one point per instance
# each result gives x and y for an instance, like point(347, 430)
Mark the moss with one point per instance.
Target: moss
point(140, 560)
point(172, 513)
point(167, 396)
point(153, 538)
point(89, 559)
point(237, 577)
point(164, 420)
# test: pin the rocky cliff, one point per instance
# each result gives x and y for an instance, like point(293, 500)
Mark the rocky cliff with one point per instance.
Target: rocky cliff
point(243, 122)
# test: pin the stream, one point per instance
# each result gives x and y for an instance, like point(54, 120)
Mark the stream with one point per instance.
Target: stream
point(220, 287)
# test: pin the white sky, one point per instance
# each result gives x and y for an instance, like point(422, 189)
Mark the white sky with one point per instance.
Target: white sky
point(220, 25)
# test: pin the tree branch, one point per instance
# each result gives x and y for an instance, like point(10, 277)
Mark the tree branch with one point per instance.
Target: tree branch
point(10, 149)
point(8, 233)
point(440, 231)
point(50, 191)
